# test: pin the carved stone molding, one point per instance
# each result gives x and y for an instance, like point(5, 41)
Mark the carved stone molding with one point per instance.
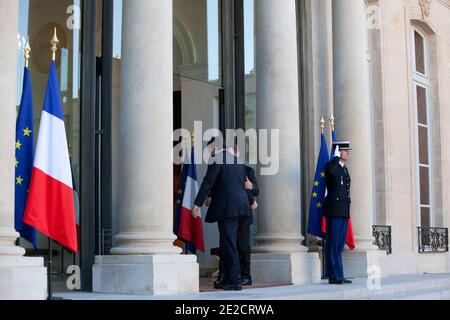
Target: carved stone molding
point(425, 5)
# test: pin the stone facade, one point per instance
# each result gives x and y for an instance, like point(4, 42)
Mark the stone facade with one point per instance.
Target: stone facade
point(393, 122)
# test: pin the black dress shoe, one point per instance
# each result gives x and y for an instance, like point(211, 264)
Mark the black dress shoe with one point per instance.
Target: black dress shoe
point(232, 287)
point(219, 281)
point(247, 282)
point(346, 281)
point(218, 284)
point(335, 281)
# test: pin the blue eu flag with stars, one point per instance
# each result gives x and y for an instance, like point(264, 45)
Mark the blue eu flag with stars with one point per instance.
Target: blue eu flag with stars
point(24, 159)
point(318, 192)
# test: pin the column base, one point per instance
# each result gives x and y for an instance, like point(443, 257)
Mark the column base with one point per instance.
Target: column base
point(146, 275)
point(295, 268)
point(22, 278)
point(357, 263)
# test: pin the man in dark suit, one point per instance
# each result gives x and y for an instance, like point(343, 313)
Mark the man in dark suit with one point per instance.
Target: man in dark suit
point(225, 181)
point(337, 211)
point(244, 247)
point(243, 243)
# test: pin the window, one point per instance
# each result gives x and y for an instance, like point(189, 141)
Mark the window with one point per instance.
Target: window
point(197, 37)
point(421, 87)
point(419, 48)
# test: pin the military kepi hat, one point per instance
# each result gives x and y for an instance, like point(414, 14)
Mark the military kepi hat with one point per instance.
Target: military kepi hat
point(343, 145)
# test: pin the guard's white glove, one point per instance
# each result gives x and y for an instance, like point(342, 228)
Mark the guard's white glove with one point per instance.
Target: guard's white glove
point(337, 152)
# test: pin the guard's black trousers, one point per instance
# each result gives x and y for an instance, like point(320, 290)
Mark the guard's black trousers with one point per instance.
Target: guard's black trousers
point(244, 250)
point(336, 235)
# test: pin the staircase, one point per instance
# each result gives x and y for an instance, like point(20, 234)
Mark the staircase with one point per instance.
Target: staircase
point(402, 287)
point(399, 287)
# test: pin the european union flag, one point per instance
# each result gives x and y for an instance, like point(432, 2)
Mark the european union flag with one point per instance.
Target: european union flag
point(24, 159)
point(318, 192)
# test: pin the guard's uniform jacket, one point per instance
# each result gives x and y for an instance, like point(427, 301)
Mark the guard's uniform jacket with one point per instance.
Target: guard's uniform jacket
point(338, 200)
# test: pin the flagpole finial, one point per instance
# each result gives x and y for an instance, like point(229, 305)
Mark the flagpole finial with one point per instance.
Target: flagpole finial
point(322, 125)
point(54, 42)
point(193, 138)
point(27, 50)
point(332, 119)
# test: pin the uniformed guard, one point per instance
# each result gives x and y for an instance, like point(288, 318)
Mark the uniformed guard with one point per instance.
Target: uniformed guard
point(337, 211)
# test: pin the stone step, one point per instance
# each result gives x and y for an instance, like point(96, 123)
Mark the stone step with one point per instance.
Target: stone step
point(442, 293)
point(407, 287)
point(390, 288)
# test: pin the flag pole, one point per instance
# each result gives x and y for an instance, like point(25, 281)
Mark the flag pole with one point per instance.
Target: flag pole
point(322, 125)
point(332, 126)
point(54, 42)
point(332, 119)
point(50, 269)
point(322, 128)
point(27, 53)
point(324, 241)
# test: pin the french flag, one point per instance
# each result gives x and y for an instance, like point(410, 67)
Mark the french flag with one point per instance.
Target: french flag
point(50, 206)
point(191, 229)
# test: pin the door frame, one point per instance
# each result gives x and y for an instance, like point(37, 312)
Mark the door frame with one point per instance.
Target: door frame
point(96, 116)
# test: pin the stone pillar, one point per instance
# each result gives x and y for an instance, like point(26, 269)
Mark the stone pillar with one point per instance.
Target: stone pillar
point(317, 76)
point(279, 255)
point(20, 277)
point(354, 122)
point(144, 260)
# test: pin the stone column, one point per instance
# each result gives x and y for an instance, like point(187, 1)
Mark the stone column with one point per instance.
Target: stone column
point(279, 255)
point(144, 260)
point(20, 277)
point(317, 76)
point(354, 122)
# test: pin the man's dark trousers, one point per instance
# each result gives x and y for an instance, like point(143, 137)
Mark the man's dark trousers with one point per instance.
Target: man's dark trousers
point(228, 230)
point(244, 249)
point(336, 235)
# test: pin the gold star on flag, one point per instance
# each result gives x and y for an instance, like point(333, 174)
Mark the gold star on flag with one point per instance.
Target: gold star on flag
point(322, 174)
point(316, 183)
point(315, 195)
point(16, 163)
point(319, 205)
point(18, 144)
point(27, 132)
point(180, 191)
point(179, 202)
point(19, 180)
